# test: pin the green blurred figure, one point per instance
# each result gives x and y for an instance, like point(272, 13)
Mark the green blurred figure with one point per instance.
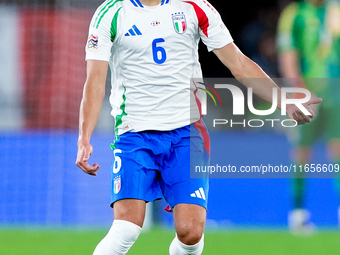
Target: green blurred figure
point(309, 47)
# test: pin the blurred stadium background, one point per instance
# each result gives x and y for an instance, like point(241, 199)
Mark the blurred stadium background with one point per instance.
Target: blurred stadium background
point(48, 206)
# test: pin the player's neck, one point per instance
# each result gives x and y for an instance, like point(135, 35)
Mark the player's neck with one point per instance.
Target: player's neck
point(150, 2)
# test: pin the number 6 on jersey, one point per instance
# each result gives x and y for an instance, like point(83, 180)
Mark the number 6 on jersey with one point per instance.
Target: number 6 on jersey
point(158, 52)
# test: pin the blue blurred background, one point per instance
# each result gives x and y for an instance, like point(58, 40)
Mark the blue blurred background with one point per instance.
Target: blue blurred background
point(41, 185)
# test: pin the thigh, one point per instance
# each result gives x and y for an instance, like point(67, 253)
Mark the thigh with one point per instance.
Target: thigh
point(131, 210)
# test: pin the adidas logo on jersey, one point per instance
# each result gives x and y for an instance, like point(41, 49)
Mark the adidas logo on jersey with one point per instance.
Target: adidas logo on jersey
point(199, 194)
point(133, 31)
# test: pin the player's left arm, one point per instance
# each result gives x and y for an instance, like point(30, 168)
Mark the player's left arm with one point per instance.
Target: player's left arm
point(245, 70)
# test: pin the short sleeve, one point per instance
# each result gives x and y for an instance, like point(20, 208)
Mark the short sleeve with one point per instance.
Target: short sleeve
point(100, 39)
point(285, 36)
point(213, 32)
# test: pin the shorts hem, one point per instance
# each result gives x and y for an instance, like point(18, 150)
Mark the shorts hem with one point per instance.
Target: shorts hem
point(146, 200)
point(203, 204)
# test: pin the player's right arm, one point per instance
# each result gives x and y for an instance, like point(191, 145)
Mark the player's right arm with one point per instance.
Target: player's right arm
point(91, 103)
point(98, 52)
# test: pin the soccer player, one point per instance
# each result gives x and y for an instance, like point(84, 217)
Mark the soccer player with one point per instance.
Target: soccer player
point(309, 45)
point(151, 47)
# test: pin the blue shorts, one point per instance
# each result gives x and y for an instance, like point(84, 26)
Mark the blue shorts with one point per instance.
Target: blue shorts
point(150, 164)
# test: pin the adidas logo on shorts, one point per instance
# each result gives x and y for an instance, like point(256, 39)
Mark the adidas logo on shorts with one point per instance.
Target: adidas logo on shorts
point(199, 194)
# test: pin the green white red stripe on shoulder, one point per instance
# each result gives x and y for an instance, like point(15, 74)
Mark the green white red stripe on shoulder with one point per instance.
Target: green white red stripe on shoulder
point(103, 10)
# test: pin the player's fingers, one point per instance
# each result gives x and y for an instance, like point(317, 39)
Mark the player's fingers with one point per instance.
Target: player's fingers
point(302, 118)
point(82, 165)
point(314, 101)
point(306, 118)
point(83, 156)
point(95, 168)
point(298, 118)
point(312, 114)
point(91, 170)
point(82, 161)
point(88, 168)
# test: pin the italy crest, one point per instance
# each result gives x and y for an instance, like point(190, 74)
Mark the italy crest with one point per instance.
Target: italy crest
point(180, 23)
point(117, 184)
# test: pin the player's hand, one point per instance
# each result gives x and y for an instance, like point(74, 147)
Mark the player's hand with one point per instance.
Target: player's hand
point(83, 155)
point(295, 113)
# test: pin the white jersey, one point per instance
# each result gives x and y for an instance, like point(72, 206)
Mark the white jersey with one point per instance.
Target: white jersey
point(153, 53)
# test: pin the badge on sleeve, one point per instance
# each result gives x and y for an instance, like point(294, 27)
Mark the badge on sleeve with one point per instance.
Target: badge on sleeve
point(92, 43)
